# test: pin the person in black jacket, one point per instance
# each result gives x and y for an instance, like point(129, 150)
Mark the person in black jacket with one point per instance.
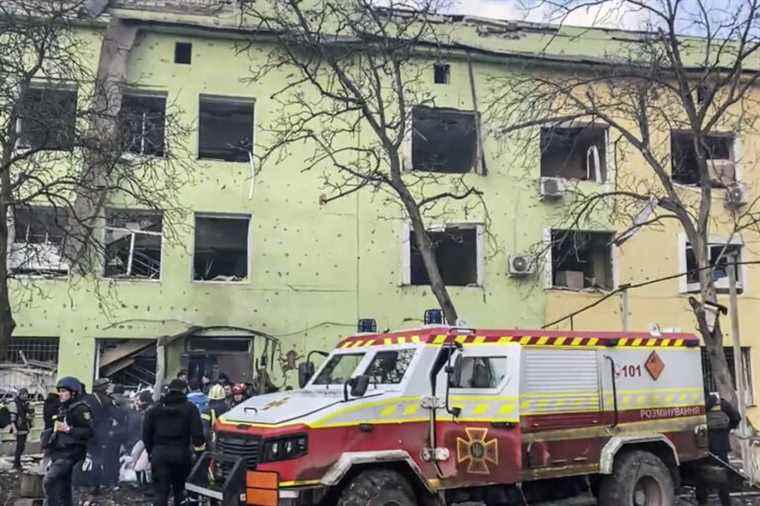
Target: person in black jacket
point(67, 443)
point(50, 409)
point(722, 418)
point(21, 424)
point(169, 429)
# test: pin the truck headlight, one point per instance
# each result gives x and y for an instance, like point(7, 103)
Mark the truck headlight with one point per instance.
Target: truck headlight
point(284, 448)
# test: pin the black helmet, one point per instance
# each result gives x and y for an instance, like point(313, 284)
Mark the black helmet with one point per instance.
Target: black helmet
point(69, 383)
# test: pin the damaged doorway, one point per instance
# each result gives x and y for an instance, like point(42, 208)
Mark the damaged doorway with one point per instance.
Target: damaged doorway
point(128, 362)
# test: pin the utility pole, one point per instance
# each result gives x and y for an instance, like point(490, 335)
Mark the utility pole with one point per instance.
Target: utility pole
point(731, 266)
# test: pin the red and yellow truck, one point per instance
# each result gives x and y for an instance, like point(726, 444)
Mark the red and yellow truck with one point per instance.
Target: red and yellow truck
point(441, 415)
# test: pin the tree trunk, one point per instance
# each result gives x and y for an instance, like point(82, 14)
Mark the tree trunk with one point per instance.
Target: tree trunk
point(425, 246)
point(7, 323)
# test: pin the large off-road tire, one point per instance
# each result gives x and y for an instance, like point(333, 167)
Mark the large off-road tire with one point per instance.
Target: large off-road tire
point(378, 487)
point(639, 478)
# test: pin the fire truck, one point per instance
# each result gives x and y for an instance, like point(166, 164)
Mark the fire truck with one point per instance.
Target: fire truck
point(441, 415)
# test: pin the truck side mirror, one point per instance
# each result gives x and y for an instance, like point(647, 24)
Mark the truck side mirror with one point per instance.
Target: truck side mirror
point(359, 385)
point(305, 372)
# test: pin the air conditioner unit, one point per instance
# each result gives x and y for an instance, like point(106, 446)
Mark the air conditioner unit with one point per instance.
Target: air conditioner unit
point(736, 195)
point(521, 265)
point(722, 171)
point(552, 187)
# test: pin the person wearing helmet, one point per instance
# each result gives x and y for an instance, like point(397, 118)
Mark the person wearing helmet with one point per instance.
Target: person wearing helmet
point(217, 405)
point(66, 443)
point(238, 394)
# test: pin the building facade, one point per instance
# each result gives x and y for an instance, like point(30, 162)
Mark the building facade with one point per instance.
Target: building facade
point(260, 255)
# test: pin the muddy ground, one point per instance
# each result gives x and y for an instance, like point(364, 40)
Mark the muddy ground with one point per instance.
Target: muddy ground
point(130, 494)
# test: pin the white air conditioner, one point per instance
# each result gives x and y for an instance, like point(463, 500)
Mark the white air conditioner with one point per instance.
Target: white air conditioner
point(736, 195)
point(552, 187)
point(521, 265)
point(722, 171)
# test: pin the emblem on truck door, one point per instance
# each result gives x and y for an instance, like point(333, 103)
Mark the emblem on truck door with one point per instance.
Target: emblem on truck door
point(654, 365)
point(477, 451)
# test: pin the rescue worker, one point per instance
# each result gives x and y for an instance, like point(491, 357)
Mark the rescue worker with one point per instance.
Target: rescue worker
point(238, 394)
point(217, 404)
point(169, 429)
point(21, 422)
point(109, 424)
point(67, 442)
point(50, 409)
point(722, 418)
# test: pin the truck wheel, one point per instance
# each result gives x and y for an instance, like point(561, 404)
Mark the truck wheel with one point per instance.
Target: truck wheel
point(639, 479)
point(379, 487)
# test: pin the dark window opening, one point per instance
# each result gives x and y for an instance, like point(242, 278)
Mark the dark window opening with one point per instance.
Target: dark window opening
point(719, 256)
point(443, 140)
point(581, 260)
point(442, 73)
point(574, 153)
point(225, 130)
point(481, 372)
point(221, 249)
point(133, 244)
point(183, 53)
point(143, 119)
point(48, 119)
point(38, 241)
point(719, 151)
point(456, 253)
point(710, 384)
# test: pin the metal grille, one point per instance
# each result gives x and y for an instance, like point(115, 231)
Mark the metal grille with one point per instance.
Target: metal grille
point(233, 447)
point(40, 349)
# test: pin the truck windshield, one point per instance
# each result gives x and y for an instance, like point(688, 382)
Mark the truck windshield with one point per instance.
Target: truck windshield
point(339, 369)
point(389, 367)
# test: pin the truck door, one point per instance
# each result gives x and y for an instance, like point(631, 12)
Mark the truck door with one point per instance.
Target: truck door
point(483, 441)
point(561, 416)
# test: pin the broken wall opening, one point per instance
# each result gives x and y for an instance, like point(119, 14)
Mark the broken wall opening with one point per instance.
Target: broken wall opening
point(48, 118)
point(456, 252)
point(581, 260)
point(31, 363)
point(221, 248)
point(574, 153)
point(444, 140)
point(133, 244)
point(128, 362)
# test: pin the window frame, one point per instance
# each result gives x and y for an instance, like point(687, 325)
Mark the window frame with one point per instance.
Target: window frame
point(147, 94)
point(735, 150)
point(129, 278)
point(63, 86)
point(229, 99)
point(609, 168)
point(406, 251)
point(407, 146)
point(721, 285)
point(248, 246)
point(12, 240)
point(549, 265)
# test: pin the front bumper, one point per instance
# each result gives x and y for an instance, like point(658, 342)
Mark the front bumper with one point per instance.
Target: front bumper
point(243, 487)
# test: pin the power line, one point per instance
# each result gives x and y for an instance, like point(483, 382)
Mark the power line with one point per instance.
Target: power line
point(630, 286)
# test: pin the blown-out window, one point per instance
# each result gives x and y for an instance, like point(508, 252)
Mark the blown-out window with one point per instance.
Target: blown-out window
point(444, 140)
point(48, 118)
point(221, 248)
point(225, 129)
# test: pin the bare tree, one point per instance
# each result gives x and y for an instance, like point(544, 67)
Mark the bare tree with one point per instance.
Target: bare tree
point(673, 98)
point(72, 147)
point(352, 74)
